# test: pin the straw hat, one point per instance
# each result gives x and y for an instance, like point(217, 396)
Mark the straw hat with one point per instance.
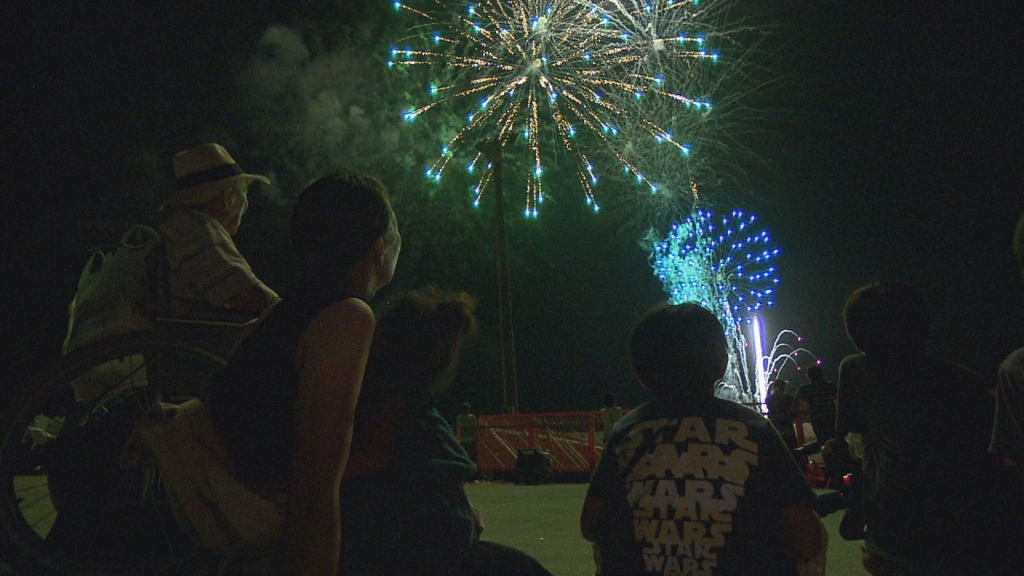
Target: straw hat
point(202, 172)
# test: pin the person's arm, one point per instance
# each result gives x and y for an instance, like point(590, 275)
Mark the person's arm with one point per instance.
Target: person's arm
point(478, 521)
point(802, 532)
point(599, 495)
point(255, 299)
point(330, 361)
point(1007, 439)
point(590, 518)
point(848, 412)
point(460, 434)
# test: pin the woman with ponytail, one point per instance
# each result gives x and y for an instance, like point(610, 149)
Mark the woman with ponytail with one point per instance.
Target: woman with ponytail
point(285, 405)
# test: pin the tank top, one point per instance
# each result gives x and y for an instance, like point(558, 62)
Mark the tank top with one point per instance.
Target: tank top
point(252, 400)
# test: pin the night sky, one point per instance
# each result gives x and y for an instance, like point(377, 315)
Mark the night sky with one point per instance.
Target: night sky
point(889, 146)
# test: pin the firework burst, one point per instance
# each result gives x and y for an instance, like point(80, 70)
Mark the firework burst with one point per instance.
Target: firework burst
point(562, 78)
point(726, 265)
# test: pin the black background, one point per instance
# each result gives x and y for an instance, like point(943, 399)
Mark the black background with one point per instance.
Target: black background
point(892, 150)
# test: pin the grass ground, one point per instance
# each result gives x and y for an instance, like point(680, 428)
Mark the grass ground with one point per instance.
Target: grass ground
point(543, 521)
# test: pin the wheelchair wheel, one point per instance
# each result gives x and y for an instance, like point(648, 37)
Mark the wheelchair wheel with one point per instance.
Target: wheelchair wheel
point(70, 501)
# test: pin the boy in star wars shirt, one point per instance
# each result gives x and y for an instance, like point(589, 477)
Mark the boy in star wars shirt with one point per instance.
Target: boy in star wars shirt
point(693, 484)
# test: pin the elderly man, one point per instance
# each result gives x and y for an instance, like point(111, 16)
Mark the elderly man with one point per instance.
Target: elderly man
point(122, 291)
point(204, 268)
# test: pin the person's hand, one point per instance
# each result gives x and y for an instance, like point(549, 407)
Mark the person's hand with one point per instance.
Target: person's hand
point(478, 524)
point(829, 447)
point(856, 443)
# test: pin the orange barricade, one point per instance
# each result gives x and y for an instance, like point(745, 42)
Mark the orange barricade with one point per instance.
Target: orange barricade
point(570, 438)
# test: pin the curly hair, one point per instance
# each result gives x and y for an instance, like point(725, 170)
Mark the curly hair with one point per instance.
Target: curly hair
point(417, 342)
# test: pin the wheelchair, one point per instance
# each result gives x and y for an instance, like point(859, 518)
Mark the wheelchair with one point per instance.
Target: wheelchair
point(69, 504)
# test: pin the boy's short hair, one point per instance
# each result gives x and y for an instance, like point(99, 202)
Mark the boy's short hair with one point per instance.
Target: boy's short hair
point(887, 318)
point(679, 350)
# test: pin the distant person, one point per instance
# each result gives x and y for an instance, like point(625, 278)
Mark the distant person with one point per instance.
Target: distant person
point(205, 271)
point(465, 429)
point(694, 484)
point(817, 400)
point(1008, 432)
point(781, 407)
point(286, 402)
point(931, 494)
point(611, 413)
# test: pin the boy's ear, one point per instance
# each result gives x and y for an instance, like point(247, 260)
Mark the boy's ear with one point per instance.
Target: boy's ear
point(378, 251)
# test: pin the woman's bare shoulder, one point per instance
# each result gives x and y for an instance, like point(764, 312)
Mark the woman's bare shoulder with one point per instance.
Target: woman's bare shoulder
point(351, 313)
point(341, 325)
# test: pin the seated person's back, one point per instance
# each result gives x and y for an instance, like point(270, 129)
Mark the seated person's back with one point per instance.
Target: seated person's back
point(406, 471)
point(285, 403)
point(690, 483)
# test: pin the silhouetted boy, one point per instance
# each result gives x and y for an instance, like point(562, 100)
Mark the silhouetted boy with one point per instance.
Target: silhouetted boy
point(694, 484)
point(931, 494)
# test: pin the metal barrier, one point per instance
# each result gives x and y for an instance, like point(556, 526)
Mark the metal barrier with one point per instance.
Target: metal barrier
point(570, 438)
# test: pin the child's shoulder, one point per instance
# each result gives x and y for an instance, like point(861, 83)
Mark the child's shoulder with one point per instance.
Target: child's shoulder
point(710, 407)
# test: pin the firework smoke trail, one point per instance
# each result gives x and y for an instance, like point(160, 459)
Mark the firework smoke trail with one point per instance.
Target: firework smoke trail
point(720, 155)
point(568, 73)
point(784, 352)
point(726, 265)
point(771, 363)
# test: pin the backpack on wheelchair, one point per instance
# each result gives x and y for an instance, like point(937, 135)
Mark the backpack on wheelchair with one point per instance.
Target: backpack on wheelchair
point(69, 503)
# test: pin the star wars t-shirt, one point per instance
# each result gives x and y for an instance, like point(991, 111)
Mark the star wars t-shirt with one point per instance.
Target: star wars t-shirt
point(696, 487)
